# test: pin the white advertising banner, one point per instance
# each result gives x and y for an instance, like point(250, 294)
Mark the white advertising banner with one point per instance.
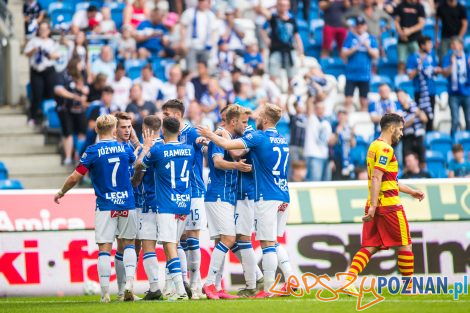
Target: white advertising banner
point(61, 262)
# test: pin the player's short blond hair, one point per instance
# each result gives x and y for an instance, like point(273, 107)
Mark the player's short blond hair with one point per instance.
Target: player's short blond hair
point(233, 112)
point(105, 124)
point(246, 111)
point(272, 112)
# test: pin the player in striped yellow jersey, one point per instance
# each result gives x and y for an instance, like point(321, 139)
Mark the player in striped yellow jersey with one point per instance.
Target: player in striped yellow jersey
point(385, 224)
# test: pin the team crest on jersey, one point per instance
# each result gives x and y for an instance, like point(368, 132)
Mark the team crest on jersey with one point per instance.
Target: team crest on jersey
point(249, 136)
point(386, 150)
point(383, 160)
point(84, 155)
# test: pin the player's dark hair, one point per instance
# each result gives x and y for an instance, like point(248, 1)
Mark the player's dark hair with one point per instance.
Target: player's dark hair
point(390, 119)
point(457, 148)
point(108, 89)
point(174, 104)
point(153, 122)
point(123, 116)
point(92, 8)
point(423, 40)
point(171, 125)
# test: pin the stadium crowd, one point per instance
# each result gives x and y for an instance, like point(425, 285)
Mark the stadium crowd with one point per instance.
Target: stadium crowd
point(333, 66)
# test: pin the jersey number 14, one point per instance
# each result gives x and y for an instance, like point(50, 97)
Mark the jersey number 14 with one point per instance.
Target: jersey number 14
point(184, 176)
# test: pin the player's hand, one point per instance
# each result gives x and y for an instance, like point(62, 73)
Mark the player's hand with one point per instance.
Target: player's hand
point(242, 166)
point(370, 214)
point(202, 141)
point(58, 196)
point(147, 134)
point(417, 194)
point(204, 131)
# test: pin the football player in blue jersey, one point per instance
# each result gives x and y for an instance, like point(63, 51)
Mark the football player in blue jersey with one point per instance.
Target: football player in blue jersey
point(147, 215)
point(221, 198)
point(172, 164)
point(107, 163)
point(270, 153)
point(197, 218)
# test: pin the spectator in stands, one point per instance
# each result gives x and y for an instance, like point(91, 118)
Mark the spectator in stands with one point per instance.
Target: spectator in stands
point(297, 125)
point(457, 70)
point(373, 14)
point(459, 166)
point(79, 48)
point(359, 50)
point(139, 109)
point(252, 58)
point(213, 100)
point(151, 35)
point(305, 8)
point(96, 88)
point(71, 95)
point(127, 45)
point(42, 53)
point(283, 41)
point(107, 25)
point(233, 35)
point(86, 20)
point(174, 77)
point(105, 63)
point(98, 108)
point(319, 85)
point(33, 14)
point(299, 171)
point(241, 89)
point(199, 33)
point(174, 47)
point(453, 18)
point(196, 117)
point(384, 105)
point(422, 66)
point(414, 127)
point(317, 138)
point(361, 173)
point(224, 59)
point(151, 86)
point(121, 86)
point(412, 168)
point(335, 29)
point(409, 21)
point(182, 94)
point(199, 83)
point(343, 141)
point(134, 13)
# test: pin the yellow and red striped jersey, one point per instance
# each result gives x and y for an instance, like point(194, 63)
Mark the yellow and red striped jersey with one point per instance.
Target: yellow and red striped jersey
point(380, 157)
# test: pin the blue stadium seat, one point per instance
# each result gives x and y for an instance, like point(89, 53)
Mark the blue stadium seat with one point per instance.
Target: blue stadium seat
point(45, 4)
point(56, 5)
point(7, 184)
point(52, 118)
point(84, 5)
point(378, 80)
point(387, 68)
point(117, 16)
point(3, 171)
point(461, 134)
point(359, 152)
point(61, 16)
point(316, 27)
point(46, 104)
point(313, 51)
point(133, 68)
point(437, 141)
point(391, 49)
point(333, 66)
point(465, 142)
point(115, 5)
point(435, 162)
point(441, 84)
point(408, 87)
point(160, 68)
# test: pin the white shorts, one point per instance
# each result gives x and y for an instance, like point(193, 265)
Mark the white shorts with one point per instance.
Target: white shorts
point(220, 219)
point(147, 225)
point(245, 217)
point(109, 224)
point(270, 219)
point(170, 227)
point(197, 218)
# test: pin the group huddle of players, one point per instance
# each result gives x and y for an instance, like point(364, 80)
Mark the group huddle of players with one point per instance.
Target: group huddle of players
point(154, 193)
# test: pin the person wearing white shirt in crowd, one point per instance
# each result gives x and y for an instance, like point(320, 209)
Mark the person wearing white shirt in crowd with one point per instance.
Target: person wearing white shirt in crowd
point(121, 86)
point(82, 19)
point(151, 86)
point(105, 63)
point(169, 87)
point(199, 32)
point(42, 52)
point(317, 136)
point(233, 35)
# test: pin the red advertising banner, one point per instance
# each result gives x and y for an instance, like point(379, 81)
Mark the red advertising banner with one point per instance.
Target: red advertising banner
point(25, 210)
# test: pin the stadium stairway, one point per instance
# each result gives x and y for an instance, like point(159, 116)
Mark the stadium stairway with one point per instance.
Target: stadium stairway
point(25, 154)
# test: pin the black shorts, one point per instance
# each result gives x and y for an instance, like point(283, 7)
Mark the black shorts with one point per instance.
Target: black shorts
point(72, 123)
point(352, 85)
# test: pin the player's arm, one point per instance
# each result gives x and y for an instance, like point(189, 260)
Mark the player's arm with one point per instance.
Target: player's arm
point(234, 144)
point(417, 194)
point(139, 166)
point(70, 182)
point(235, 154)
point(222, 164)
point(376, 181)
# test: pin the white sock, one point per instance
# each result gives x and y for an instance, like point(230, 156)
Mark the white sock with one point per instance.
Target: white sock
point(220, 276)
point(248, 261)
point(217, 259)
point(120, 272)
point(130, 263)
point(259, 273)
point(169, 286)
point(283, 261)
point(151, 269)
point(104, 271)
point(194, 261)
point(269, 266)
point(183, 262)
point(174, 269)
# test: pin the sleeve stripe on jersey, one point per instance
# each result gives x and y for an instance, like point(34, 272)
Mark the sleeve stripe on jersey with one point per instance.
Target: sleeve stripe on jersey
point(216, 154)
point(81, 169)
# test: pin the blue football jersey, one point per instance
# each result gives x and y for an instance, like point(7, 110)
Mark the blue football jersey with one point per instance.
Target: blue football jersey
point(172, 164)
point(108, 163)
point(188, 135)
point(270, 153)
point(222, 184)
point(148, 186)
point(138, 190)
point(246, 181)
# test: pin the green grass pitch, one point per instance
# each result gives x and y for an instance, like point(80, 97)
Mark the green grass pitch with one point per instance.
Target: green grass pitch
point(397, 303)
